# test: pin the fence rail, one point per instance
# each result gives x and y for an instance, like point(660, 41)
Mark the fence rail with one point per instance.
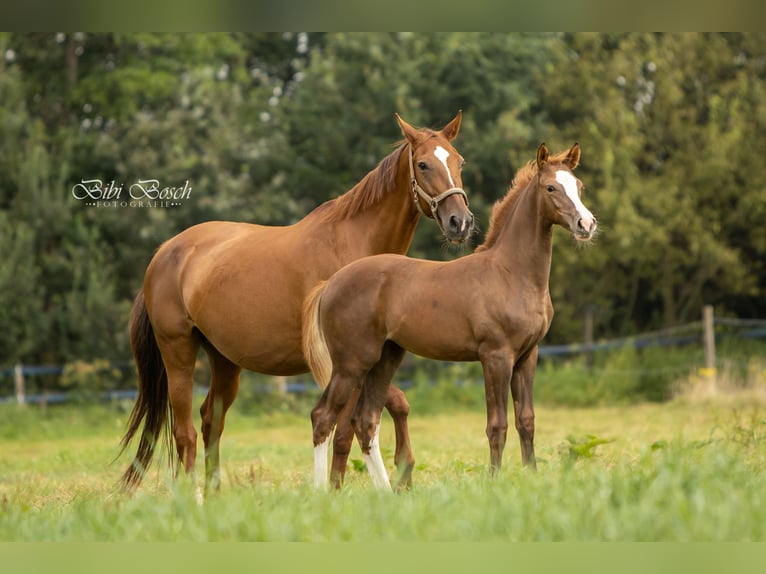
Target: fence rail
point(695, 332)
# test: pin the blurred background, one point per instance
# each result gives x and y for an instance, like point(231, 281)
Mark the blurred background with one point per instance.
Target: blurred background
point(266, 126)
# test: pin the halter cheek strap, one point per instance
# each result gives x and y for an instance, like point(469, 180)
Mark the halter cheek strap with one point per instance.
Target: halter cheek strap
point(432, 202)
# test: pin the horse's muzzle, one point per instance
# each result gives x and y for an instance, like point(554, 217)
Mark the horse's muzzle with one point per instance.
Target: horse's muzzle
point(586, 229)
point(458, 227)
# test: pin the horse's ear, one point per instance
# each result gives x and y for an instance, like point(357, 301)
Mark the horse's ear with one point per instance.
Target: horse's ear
point(542, 155)
point(408, 131)
point(451, 129)
point(573, 157)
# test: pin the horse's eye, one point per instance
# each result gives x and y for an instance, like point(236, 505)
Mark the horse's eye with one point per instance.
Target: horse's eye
point(551, 188)
point(422, 165)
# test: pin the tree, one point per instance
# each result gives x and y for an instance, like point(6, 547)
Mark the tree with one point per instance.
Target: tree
point(670, 120)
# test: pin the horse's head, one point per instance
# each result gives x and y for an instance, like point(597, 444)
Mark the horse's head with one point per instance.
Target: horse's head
point(437, 188)
point(563, 191)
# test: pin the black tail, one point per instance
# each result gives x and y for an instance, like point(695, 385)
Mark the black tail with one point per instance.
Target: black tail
point(152, 405)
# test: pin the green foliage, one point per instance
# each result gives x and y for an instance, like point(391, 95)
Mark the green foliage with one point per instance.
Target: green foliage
point(87, 379)
point(437, 387)
point(610, 377)
point(266, 126)
point(261, 394)
point(578, 448)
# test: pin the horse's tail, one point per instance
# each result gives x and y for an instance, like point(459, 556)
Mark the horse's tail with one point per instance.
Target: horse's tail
point(314, 344)
point(152, 405)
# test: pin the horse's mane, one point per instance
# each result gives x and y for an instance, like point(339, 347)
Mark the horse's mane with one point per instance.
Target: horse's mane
point(503, 206)
point(368, 191)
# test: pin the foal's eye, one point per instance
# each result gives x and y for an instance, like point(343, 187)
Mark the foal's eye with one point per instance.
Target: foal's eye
point(551, 188)
point(422, 165)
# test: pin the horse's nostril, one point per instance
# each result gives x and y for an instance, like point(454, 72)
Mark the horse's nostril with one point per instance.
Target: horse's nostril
point(586, 226)
point(454, 223)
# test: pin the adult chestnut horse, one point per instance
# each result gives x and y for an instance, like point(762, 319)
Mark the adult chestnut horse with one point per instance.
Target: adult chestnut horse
point(493, 306)
point(237, 290)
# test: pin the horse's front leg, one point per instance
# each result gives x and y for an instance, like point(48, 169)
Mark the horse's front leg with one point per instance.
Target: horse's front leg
point(522, 384)
point(498, 367)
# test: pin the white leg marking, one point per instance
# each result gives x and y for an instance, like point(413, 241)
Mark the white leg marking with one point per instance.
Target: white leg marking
point(199, 496)
point(442, 155)
point(320, 463)
point(570, 187)
point(374, 462)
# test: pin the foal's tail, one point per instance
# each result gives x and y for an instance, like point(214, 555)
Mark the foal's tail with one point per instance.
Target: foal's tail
point(152, 405)
point(314, 344)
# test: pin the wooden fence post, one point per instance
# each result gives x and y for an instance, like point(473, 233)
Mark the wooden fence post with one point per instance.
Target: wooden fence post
point(18, 381)
point(708, 334)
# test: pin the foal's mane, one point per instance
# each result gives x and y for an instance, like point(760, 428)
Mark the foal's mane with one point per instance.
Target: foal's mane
point(503, 206)
point(368, 191)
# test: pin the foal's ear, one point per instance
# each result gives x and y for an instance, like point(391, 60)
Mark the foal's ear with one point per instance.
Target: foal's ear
point(451, 129)
point(573, 157)
point(542, 155)
point(408, 131)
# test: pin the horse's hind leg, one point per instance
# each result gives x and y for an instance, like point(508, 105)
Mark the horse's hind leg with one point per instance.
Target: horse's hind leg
point(324, 416)
point(366, 416)
point(224, 385)
point(179, 354)
point(399, 409)
point(342, 441)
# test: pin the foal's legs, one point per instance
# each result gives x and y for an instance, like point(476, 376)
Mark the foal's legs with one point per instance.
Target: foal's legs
point(399, 408)
point(341, 443)
point(224, 385)
point(366, 417)
point(522, 384)
point(498, 366)
point(339, 392)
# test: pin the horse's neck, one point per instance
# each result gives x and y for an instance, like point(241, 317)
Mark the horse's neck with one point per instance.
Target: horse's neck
point(525, 244)
point(387, 226)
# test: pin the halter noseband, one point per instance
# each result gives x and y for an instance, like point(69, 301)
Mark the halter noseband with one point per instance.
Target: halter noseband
point(433, 202)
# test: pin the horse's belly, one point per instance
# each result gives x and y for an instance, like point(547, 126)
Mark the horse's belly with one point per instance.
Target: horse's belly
point(264, 340)
point(437, 344)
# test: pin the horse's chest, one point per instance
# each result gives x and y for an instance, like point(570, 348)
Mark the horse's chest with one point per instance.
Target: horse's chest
point(528, 321)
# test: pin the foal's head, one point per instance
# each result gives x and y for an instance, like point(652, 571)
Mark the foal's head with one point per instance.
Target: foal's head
point(563, 191)
point(437, 187)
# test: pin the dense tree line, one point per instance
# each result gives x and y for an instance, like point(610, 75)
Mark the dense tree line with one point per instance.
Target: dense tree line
point(264, 127)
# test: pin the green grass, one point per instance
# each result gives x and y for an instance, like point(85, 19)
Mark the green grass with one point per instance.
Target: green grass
point(687, 470)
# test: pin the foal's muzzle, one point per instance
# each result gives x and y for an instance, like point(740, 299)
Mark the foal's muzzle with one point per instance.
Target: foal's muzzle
point(586, 228)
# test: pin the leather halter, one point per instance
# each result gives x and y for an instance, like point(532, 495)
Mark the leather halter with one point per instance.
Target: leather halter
point(433, 202)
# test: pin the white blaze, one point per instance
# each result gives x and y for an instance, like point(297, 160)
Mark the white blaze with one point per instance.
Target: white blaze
point(569, 182)
point(442, 155)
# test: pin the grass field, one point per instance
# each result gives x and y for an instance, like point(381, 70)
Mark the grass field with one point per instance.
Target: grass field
point(686, 470)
